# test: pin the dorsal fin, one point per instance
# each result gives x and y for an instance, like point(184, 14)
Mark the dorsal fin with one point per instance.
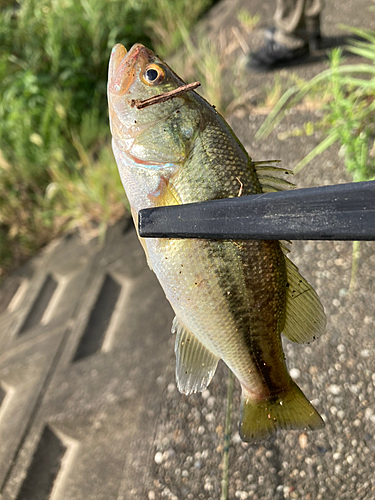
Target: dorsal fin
point(271, 177)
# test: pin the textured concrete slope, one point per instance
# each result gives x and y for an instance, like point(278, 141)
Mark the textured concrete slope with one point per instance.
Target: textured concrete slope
point(85, 339)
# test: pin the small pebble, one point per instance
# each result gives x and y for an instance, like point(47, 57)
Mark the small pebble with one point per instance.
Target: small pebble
point(210, 417)
point(303, 441)
point(368, 413)
point(208, 486)
point(151, 495)
point(334, 389)
point(158, 457)
point(333, 410)
point(295, 373)
point(242, 495)
point(206, 394)
point(236, 439)
point(211, 401)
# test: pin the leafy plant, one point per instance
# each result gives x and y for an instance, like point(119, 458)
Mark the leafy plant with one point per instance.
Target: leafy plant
point(349, 91)
point(56, 167)
point(349, 119)
point(202, 61)
point(247, 20)
point(170, 20)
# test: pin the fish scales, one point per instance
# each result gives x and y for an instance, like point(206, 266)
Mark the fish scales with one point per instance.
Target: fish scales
point(232, 299)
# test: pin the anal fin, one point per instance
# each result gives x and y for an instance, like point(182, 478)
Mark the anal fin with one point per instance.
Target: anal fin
point(195, 364)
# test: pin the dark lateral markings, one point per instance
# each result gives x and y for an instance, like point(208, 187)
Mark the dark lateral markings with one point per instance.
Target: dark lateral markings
point(100, 317)
point(44, 467)
point(40, 304)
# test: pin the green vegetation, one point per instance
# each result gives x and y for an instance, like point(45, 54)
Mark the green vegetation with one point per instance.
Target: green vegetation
point(201, 60)
point(56, 165)
point(247, 20)
point(348, 95)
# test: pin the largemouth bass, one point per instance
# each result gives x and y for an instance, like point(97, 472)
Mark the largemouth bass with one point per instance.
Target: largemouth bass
point(232, 299)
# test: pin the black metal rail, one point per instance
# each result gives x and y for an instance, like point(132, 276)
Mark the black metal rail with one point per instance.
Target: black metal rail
point(338, 212)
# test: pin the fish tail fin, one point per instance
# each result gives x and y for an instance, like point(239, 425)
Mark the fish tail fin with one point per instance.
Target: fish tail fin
point(289, 410)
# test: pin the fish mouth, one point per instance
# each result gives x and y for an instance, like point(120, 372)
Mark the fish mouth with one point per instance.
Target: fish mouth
point(124, 66)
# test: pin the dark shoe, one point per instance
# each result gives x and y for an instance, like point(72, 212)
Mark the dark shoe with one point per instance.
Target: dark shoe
point(273, 55)
point(315, 38)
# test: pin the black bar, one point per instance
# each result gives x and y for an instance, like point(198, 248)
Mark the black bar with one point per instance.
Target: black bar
point(338, 212)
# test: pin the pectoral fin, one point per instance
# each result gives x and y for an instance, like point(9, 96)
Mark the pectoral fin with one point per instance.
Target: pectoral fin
point(305, 320)
point(141, 240)
point(195, 364)
point(164, 194)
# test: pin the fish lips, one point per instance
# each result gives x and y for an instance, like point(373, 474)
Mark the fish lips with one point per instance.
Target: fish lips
point(122, 73)
point(124, 67)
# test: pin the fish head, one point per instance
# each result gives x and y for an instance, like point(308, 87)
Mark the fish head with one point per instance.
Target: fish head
point(160, 133)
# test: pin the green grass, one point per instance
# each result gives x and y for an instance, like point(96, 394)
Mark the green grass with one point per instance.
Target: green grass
point(56, 166)
point(347, 93)
point(200, 60)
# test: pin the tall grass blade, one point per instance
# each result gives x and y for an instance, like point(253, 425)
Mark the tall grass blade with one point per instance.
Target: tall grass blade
point(276, 115)
point(227, 437)
point(322, 146)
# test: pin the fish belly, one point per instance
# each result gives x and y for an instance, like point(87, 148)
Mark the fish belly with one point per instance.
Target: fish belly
point(231, 297)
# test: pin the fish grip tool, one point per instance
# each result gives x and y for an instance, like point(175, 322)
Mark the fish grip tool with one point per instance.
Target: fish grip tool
point(337, 212)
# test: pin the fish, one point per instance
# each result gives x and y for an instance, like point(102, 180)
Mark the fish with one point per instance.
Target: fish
point(232, 299)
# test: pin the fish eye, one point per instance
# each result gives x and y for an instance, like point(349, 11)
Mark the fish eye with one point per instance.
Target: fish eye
point(153, 74)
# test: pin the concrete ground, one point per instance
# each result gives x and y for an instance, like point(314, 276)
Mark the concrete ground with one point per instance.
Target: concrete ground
point(89, 405)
